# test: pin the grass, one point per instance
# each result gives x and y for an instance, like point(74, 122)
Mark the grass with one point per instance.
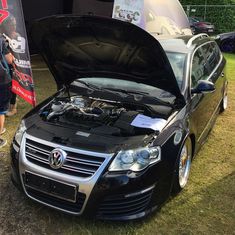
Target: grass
point(206, 206)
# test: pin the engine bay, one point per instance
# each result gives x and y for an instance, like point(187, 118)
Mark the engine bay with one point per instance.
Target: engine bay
point(96, 116)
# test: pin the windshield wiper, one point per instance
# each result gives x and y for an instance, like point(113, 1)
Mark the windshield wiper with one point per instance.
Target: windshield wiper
point(127, 91)
point(89, 85)
point(142, 93)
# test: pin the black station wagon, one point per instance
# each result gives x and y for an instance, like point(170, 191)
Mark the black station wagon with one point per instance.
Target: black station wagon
point(130, 114)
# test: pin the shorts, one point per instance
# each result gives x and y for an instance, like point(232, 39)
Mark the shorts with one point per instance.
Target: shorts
point(5, 96)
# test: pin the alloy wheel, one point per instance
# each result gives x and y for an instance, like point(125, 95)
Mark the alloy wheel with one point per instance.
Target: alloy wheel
point(185, 163)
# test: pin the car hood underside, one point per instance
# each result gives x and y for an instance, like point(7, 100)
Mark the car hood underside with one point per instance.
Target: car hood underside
point(89, 46)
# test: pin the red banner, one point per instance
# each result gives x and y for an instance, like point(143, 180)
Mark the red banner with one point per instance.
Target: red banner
point(12, 27)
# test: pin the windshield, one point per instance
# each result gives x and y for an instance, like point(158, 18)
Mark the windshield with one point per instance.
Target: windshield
point(124, 86)
point(177, 61)
point(194, 20)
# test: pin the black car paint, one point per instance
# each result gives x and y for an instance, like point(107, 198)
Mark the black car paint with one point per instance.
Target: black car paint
point(226, 42)
point(195, 120)
point(104, 47)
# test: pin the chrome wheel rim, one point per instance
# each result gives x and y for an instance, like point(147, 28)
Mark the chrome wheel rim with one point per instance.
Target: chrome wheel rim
point(225, 102)
point(184, 166)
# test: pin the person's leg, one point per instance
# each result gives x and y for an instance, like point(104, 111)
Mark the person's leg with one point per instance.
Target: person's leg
point(12, 110)
point(13, 98)
point(2, 120)
point(3, 104)
point(5, 95)
point(2, 141)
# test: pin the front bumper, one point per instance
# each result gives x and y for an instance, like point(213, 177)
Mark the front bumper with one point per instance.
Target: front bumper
point(104, 195)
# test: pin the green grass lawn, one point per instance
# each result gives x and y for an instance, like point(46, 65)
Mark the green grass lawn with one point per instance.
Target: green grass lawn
point(206, 206)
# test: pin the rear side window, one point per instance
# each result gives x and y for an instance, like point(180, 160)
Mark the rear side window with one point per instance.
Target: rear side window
point(200, 70)
point(212, 55)
point(205, 60)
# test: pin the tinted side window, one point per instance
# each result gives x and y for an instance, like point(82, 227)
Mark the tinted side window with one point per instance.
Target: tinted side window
point(200, 70)
point(212, 55)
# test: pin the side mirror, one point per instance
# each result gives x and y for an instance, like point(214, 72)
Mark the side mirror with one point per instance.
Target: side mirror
point(203, 86)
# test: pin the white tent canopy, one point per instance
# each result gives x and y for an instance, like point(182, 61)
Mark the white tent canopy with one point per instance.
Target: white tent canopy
point(161, 16)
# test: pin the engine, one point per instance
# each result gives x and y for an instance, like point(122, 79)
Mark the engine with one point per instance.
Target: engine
point(94, 115)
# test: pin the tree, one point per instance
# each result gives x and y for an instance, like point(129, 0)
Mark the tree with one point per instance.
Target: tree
point(222, 17)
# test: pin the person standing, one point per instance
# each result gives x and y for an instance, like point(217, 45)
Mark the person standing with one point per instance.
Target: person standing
point(8, 28)
point(5, 85)
point(13, 104)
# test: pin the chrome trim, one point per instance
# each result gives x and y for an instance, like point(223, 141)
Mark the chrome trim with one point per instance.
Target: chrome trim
point(45, 156)
point(85, 185)
point(212, 72)
point(201, 35)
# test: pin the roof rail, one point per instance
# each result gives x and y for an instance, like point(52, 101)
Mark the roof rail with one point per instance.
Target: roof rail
point(201, 35)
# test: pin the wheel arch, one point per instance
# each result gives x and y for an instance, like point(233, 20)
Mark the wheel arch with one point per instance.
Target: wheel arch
point(193, 142)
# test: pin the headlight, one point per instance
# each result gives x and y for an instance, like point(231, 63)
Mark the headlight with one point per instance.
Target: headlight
point(136, 160)
point(19, 133)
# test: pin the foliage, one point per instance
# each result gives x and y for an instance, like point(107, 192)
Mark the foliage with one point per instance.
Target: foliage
point(222, 17)
point(208, 2)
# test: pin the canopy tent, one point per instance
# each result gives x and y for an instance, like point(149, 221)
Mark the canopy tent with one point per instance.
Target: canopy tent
point(160, 16)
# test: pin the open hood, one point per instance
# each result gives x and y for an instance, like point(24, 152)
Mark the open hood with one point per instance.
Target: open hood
point(89, 46)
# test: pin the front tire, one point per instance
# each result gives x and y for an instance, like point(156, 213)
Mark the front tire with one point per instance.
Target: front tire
point(183, 167)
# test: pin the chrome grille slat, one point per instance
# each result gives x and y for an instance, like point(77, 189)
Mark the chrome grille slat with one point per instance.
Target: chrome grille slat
point(76, 164)
point(36, 158)
point(86, 162)
point(38, 149)
point(76, 170)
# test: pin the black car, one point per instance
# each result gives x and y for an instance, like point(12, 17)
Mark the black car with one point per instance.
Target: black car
point(200, 26)
point(226, 41)
point(130, 114)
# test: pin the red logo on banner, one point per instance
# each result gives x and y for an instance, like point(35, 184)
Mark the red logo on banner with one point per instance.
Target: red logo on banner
point(22, 85)
point(4, 13)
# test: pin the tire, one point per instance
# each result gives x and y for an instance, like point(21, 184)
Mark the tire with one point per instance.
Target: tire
point(227, 46)
point(183, 167)
point(224, 102)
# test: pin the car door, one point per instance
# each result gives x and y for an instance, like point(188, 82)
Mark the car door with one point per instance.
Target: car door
point(216, 63)
point(199, 102)
point(205, 66)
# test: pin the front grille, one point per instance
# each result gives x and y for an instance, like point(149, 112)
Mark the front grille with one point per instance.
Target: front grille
point(76, 164)
point(124, 205)
point(59, 203)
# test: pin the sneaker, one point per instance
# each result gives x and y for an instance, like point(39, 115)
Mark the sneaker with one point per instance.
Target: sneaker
point(3, 131)
point(2, 143)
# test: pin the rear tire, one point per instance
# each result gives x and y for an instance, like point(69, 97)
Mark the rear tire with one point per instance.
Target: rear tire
point(183, 166)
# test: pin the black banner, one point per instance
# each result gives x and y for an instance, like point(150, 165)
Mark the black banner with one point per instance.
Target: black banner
point(12, 27)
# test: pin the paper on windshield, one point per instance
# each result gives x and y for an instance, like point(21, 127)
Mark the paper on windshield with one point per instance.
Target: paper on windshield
point(142, 121)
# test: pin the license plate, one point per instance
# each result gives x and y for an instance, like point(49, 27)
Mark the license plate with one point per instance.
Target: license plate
point(51, 187)
point(210, 30)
